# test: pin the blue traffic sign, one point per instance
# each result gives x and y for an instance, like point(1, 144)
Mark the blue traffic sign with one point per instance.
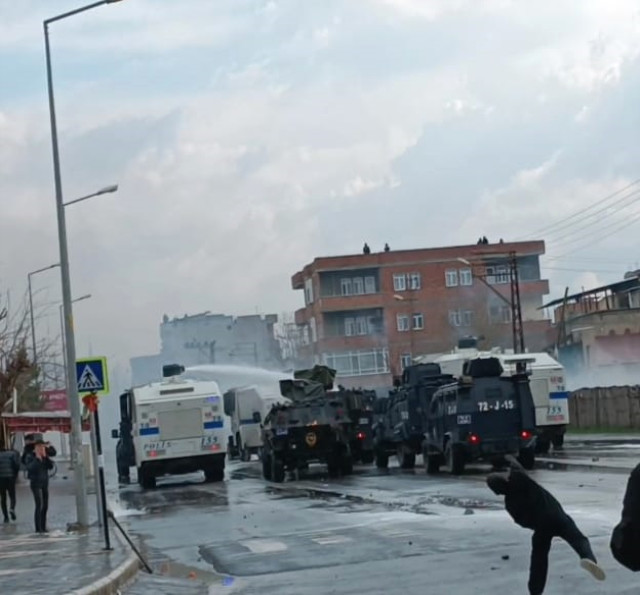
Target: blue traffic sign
point(91, 375)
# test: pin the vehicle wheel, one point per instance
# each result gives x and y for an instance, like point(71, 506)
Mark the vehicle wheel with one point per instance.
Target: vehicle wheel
point(527, 458)
point(542, 446)
point(455, 460)
point(245, 454)
point(346, 465)
point(367, 457)
point(277, 469)
point(333, 466)
point(433, 463)
point(146, 479)
point(407, 460)
point(558, 441)
point(266, 465)
point(212, 474)
point(382, 459)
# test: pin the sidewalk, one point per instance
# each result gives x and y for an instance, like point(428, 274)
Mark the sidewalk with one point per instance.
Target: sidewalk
point(61, 562)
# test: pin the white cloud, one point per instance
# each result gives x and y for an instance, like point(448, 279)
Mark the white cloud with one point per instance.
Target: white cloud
point(243, 134)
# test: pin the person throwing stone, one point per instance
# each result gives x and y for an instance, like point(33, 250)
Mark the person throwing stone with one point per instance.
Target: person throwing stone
point(533, 507)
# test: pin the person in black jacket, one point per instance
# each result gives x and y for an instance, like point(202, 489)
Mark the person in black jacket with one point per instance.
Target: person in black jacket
point(625, 539)
point(533, 507)
point(9, 469)
point(38, 466)
point(29, 444)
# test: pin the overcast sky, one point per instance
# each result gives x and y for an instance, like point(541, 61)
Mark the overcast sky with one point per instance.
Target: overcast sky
point(249, 136)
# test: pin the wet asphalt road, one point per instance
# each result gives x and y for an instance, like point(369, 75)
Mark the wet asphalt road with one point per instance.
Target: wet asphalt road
point(374, 532)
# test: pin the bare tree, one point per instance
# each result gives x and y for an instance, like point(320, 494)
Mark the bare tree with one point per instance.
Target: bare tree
point(18, 373)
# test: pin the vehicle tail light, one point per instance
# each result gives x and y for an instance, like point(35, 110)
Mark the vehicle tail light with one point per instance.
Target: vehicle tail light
point(153, 453)
point(360, 436)
point(473, 438)
point(525, 434)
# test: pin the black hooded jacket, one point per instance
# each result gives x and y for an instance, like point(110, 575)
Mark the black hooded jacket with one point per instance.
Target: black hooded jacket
point(9, 464)
point(625, 539)
point(528, 503)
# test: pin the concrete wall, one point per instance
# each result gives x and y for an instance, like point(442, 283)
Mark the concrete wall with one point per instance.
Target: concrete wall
point(605, 407)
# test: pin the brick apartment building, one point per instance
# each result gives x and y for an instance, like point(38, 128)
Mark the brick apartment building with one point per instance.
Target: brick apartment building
point(367, 315)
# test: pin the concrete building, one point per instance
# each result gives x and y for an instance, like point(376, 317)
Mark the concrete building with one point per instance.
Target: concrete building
point(368, 314)
point(597, 333)
point(208, 338)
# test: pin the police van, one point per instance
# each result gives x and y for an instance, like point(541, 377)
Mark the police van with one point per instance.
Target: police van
point(246, 406)
point(172, 427)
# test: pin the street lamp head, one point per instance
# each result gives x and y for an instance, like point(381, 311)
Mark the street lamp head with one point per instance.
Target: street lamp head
point(463, 261)
point(398, 297)
point(83, 297)
point(113, 187)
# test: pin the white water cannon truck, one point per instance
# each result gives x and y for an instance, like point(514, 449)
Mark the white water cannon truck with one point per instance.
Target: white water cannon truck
point(172, 427)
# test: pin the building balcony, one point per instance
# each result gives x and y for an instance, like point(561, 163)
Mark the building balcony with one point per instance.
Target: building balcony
point(351, 302)
point(351, 343)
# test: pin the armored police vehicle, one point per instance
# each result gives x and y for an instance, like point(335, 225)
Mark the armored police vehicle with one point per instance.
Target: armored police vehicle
point(313, 427)
point(400, 419)
point(171, 427)
point(547, 380)
point(359, 405)
point(482, 416)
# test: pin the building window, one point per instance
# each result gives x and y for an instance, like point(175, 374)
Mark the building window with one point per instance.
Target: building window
point(362, 328)
point(466, 277)
point(418, 322)
point(399, 282)
point(402, 321)
point(369, 284)
point(414, 281)
point(349, 327)
point(358, 286)
point(346, 287)
point(308, 291)
point(358, 363)
point(451, 278)
point(405, 360)
point(454, 317)
point(313, 330)
point(498, 275)
point(467, 318)
point(500, 314)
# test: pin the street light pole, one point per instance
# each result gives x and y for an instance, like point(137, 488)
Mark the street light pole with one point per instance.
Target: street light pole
point(82, 514)
point(31, 314)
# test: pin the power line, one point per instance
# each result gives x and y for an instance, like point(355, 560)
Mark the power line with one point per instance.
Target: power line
point(601, 237)
point(547, 228)
point(588, 219)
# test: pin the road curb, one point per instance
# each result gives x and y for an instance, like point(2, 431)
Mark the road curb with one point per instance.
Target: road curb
point(110, 584)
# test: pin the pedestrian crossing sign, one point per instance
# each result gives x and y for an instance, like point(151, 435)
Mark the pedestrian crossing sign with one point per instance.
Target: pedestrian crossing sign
point(92, 376)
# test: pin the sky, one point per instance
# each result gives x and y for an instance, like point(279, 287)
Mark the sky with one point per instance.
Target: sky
point(250, 136)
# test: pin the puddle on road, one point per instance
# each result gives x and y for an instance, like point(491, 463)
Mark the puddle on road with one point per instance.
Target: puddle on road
point(164, 496)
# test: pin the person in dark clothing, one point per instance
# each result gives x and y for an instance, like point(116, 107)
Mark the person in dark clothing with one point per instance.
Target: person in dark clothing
point(366, 249)
point(38, 466)
point(533, 507)
point(29, 444)
point(625, 539)
point(9, 469)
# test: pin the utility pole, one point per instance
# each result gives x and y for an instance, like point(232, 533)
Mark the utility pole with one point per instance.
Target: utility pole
point(516, 309)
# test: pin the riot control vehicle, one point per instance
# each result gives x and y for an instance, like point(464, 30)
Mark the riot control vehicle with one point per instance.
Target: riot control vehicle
point(400, 419)
point(359, 406)
point(171, 427)
point(313, 426)
point(482, 416)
